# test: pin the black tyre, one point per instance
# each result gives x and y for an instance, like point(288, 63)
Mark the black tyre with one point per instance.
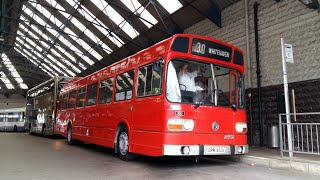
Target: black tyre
point(123, 145)
point(44, 131)
point(69, 136)
point(30, 130)
point(15, 129)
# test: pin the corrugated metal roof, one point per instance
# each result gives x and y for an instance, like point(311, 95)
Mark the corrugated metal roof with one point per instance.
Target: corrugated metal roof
point(43, 38)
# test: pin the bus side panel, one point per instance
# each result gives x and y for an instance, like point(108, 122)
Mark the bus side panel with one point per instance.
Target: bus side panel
point(78, 123)
point(103, 136)
point(96, 132)
point(146, 132)
point(146, 142)
point(148, 114)
point(121, 112)
point(90, 116)
point(105, 124)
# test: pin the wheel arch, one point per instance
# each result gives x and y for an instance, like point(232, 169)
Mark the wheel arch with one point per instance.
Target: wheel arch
point(122, 124)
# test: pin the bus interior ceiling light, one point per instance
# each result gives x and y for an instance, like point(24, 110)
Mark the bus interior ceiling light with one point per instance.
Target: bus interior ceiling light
point(312, 4)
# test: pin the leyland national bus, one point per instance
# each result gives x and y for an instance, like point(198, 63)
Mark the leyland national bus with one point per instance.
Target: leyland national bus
point(12, 119)
point(182, 96)
point(41, 106)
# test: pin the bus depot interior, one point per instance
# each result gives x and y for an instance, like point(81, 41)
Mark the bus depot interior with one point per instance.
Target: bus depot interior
point(179, 81)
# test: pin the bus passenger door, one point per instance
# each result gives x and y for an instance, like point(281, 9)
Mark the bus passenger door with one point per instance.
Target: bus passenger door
point(121, 110)
point(148, 107)
point(104, 100)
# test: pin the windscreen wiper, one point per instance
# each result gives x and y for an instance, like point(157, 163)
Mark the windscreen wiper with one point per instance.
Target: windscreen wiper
point(227, 99)
point(204, 98)
point(223, 95)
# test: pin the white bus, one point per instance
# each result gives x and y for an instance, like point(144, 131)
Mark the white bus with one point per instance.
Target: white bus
point(12, 119)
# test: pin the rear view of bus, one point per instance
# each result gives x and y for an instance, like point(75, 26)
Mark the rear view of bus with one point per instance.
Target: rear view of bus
point(41, 104)
point(12, 119)
point(205, 98)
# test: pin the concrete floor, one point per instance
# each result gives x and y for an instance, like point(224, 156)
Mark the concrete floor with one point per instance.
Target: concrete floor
point(31, 157)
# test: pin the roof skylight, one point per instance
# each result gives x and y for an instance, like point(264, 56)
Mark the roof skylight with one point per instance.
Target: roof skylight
point(116, 18)
point(171, 7)
point(32, 59)
point(50, 42)
point(139, 10)
point(13, 71)
point(101, 26)
point(5, 80)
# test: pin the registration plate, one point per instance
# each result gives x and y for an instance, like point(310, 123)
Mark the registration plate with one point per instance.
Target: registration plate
point(214, 150)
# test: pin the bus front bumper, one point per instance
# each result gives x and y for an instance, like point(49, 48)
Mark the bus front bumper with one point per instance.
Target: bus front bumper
point(194, 150)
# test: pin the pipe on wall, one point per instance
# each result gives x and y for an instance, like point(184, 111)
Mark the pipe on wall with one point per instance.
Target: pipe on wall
point(249, 67)
point(256, 35)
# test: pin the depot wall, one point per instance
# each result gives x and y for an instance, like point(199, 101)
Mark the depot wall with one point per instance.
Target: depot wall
point(13, 101)
point(300, 27)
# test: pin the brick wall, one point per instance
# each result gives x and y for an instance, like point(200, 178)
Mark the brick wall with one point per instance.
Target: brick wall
point(300, 27)
point(14, 101)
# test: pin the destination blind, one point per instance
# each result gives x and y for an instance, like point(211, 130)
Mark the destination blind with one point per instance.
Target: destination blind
point(210, 49)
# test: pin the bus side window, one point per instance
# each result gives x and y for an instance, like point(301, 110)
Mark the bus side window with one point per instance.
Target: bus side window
point(72, 99)
point(124, 86)
point(81, 96)
point(92, 94)
point(65, 101)
point(2, 117)
point(149, 80)
point(105, 91)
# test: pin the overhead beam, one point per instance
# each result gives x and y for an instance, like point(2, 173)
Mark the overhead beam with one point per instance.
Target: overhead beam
point(41, 58)
point(90, 25)
point(27, 65)
point(41, 46)
point(51, 36)
point(55, 39)
point(42, 39)
point(213, 13)
point(4, 89)
point(162, 16)
point(36, 60)
point(133, 20)
point(106, 20)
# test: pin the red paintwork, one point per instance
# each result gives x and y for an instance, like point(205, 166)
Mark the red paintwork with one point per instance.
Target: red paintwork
point(147, 123)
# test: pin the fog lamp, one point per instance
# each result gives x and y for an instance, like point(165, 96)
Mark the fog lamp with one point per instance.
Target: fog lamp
point(185, 150)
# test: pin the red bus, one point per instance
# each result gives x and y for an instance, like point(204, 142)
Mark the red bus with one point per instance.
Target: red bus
point(182, 96)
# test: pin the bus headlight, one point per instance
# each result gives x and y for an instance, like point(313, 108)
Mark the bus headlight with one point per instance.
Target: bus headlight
point(241, 127)
point(180, 124)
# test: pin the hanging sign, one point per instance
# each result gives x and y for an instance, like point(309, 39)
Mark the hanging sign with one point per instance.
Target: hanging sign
point(288, 53)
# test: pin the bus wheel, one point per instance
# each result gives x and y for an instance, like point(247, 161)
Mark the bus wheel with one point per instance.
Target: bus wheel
point(44, 130)
point(30, 130)
point(15, 129)
point(123, 145)
point(69, 136)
